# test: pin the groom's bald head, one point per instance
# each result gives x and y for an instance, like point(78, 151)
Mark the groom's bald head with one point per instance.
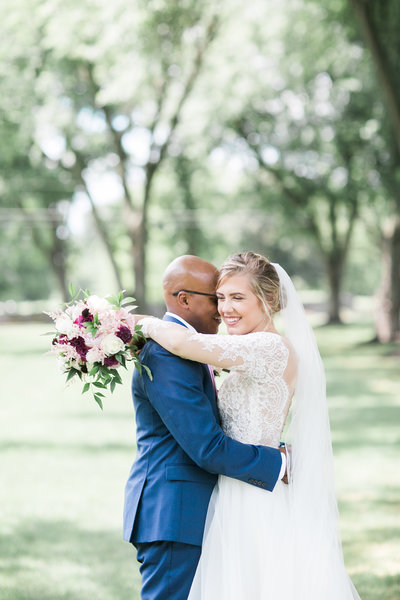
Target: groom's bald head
point(184, 276)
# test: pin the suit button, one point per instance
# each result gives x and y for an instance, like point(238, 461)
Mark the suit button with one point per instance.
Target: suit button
point(264, 484)
point(251, 480)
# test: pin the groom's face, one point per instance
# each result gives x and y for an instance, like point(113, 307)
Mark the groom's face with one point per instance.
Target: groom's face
point(203, 312)
point(204, 315)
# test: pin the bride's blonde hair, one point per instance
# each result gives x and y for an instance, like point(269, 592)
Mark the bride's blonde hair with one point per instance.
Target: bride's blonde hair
point(264, 279)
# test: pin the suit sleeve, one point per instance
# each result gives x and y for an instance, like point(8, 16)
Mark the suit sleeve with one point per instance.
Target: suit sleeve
point(177, 394)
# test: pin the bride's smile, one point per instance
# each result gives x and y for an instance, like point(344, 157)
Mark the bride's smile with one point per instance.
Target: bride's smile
point(239, 307)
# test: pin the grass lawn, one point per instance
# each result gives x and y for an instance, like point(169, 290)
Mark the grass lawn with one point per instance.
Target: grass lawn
point(64, 464)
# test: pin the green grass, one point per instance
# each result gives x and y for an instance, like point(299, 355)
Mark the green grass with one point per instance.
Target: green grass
point(64, 464)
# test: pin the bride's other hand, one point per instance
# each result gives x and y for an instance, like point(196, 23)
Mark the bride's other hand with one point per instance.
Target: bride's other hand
point(287, 451)
point(138, 341)
point(138, 318)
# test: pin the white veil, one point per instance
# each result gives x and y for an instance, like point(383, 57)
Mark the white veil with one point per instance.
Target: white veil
point(318, 558)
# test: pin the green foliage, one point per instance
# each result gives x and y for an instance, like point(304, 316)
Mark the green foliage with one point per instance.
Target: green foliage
point(283, 135)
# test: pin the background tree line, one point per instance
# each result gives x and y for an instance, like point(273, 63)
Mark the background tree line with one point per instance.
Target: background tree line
point(189, 127)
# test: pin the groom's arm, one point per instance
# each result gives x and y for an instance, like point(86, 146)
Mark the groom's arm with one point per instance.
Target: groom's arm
point(177, 393)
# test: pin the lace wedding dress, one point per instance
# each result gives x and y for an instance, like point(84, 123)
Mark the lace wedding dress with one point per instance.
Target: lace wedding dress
point(249, 551)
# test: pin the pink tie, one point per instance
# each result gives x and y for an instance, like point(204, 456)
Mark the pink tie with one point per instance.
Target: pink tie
point(213, 378)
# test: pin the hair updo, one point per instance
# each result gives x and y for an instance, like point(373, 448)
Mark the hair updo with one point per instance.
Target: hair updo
point(264, 279)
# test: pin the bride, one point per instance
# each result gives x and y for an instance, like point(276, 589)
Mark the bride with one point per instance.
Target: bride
point(282, 545)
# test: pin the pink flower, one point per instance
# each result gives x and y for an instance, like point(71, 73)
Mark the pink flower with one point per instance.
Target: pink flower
point(95, 355)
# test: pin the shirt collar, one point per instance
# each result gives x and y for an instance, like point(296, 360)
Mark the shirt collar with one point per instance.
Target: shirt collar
point(185, 323)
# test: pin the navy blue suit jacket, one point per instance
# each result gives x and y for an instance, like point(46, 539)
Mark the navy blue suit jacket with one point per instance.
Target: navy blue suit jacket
point(180, 450)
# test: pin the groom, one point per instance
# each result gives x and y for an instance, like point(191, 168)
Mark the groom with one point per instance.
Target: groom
point(180, 445)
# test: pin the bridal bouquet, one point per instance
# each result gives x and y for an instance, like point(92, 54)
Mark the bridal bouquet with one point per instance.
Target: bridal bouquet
point(94, 338)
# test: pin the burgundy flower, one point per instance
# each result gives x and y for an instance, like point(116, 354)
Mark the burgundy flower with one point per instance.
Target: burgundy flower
point(124, 334)
point(79, 344)
point(84, 317)
point(62, 339)
point(110, 361)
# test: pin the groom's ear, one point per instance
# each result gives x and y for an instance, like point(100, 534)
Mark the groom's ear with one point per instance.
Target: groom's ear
point(183, 299)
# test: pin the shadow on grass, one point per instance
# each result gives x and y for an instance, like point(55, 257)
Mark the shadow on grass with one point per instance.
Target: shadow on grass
point(369, 427)
point(55, 559)
point(69, 446)
point(374, 587)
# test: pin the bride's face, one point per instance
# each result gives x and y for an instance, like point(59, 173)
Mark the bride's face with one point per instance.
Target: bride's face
point(239, 307)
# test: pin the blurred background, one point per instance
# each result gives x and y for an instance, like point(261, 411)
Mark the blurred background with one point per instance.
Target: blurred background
point(133, 132)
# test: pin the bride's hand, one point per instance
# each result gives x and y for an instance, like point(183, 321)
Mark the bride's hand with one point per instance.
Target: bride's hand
point(138, 318)
point(138, 340)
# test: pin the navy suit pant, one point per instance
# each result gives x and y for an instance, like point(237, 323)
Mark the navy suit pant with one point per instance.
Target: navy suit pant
point(167, 569)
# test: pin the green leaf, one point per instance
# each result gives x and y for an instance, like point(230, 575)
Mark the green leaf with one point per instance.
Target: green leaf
point(117, 377)
point(94, 370)
point(119, 357)
point(112, 386)
point(72, 290)
point(112, 300)
point(99, 402)
point(99, 385)
point(138, 366)
point(149, 373)
point(86, 388)
point(128, 300)
point(72, 372)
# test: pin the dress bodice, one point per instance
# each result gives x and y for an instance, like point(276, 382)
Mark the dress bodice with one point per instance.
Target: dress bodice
point(254, 402)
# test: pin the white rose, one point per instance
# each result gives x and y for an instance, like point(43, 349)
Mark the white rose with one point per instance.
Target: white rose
point(64, 325)
point(112, 344)
point(97, 304)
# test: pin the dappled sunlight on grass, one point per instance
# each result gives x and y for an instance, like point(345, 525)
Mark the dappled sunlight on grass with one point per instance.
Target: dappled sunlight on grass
point(65, 462)
point(363, 382)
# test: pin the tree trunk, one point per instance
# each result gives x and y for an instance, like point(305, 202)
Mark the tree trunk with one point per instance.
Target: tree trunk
point(55, 252)
point(380, 59)
point(334, 267)
point(139, 263)
point(102, 231)
point(77, 170)
point(137, 226)
point(191, 230)
point(395, 276)
point(388, 310)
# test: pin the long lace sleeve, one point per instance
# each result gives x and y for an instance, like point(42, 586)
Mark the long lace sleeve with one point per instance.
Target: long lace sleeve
point(251, 353)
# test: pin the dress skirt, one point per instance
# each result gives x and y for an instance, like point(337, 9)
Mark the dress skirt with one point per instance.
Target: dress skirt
point(250, 552)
